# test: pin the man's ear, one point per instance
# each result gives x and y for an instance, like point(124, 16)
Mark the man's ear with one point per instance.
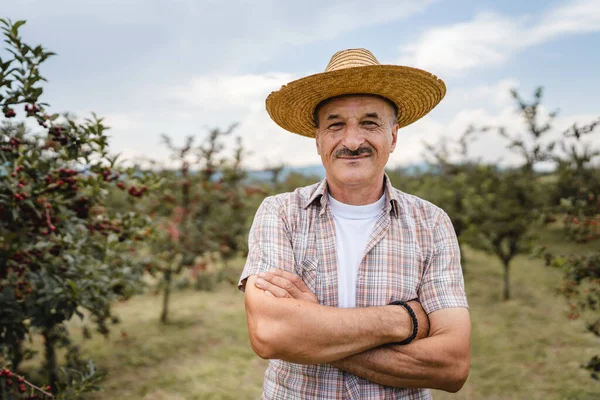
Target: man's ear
point(394, 137)
point(317, 141)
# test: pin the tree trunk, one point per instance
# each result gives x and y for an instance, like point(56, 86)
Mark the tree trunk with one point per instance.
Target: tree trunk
point(18, 355)
point(167, 292)
point(50, 354)
point(506, 280)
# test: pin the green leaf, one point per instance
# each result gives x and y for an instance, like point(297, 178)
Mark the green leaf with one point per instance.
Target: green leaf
point(72, 284)
point(16, 26)
point(46, 55)
point(6, 65)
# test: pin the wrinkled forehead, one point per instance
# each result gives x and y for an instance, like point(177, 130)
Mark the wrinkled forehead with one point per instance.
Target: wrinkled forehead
point(363, 102)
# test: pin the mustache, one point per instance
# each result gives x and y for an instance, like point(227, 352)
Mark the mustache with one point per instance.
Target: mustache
point(346, 152)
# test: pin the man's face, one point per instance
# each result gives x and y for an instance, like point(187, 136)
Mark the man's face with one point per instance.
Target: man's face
point(355, 137)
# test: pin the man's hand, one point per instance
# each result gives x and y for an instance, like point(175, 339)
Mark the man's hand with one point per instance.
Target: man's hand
point(283, 284)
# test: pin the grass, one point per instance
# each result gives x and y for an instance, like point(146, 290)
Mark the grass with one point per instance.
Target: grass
point(524, 348)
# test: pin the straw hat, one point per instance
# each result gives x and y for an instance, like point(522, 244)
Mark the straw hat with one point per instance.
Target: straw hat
point(355, 71)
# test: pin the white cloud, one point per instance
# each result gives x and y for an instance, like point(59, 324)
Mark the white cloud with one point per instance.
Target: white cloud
point(479, 106)
point(242, 98)
point(271, 144)
point(206, 34)
point(452, 49)
point(213, 92)
point(220, 99)
point(491, 39)
point(577, 16)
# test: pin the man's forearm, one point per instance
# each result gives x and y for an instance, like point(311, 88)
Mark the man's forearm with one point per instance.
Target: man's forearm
point(308, 333)
point(434, 362)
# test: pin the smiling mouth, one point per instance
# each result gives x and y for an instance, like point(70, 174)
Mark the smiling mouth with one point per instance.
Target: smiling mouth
point(355, 158)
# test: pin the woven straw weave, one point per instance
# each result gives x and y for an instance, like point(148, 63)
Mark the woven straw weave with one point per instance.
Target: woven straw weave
point(355, 71)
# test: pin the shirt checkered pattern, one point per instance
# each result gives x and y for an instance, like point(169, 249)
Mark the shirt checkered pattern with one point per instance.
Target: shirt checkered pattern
point(412, 253)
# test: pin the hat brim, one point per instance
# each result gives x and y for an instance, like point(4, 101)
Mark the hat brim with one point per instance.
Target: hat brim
point(414, 91)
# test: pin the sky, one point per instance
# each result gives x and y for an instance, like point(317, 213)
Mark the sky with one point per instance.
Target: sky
point(182, 67)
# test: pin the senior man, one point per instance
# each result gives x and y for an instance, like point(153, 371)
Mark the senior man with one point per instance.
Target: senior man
point(354, 289)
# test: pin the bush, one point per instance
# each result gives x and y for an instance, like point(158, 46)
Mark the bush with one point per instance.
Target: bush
point(61, 251)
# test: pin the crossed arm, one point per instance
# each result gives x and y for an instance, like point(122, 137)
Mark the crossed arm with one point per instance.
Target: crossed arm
point(286, 322)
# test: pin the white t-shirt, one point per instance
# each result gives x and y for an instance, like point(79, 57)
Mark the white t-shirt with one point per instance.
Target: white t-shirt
point(353, 226)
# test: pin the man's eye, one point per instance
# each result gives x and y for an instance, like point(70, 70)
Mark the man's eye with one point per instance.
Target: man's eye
point(335, 125)
point(370, 123)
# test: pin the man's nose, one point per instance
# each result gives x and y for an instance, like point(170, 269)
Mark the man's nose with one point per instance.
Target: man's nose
point(353, 137)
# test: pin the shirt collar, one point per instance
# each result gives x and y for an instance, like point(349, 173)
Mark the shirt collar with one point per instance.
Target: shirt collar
point(391, 197)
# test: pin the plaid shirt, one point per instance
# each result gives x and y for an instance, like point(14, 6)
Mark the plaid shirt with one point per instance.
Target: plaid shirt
point(412, 252)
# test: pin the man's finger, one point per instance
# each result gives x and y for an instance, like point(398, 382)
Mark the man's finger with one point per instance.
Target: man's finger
point(293, 278)
point(267, 286)
point(275, 278)
point(292, 283)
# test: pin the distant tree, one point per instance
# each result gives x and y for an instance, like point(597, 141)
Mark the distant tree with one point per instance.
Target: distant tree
point(275, 171)
point(578, 183)
point(204, 210)
point(505, 206)
point(448, 184)
point(225, 221)
point(502, 210)
point(295, 180)
point(533, 146)
point(174, 237)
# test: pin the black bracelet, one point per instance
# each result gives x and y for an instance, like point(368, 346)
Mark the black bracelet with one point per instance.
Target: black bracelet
point(414, 321)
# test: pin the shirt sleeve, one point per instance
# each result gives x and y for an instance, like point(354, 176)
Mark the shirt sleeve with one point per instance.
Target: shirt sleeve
point(443, 285)
point(269, 242)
